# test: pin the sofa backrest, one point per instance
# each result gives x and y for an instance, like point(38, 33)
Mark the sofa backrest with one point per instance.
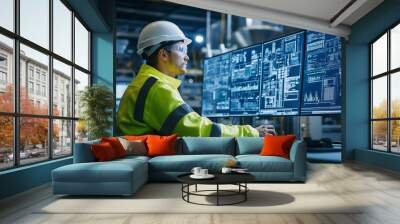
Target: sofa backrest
point(83, 152)
point(249, 145)
point(206, 145)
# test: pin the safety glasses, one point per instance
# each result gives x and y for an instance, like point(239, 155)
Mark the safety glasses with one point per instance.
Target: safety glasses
point(180, 48)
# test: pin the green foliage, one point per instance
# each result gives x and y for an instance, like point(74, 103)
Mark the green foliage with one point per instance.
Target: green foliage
point(96, 102)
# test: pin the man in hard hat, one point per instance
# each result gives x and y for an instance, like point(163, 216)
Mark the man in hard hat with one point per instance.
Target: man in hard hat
point(152, 104)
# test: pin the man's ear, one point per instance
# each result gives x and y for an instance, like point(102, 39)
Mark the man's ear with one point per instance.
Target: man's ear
point(162, 54)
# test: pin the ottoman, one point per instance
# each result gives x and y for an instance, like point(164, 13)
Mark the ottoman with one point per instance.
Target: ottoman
point(118, 177)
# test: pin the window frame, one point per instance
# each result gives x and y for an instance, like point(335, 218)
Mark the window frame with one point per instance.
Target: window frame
point(388, 74)
point(16, 114)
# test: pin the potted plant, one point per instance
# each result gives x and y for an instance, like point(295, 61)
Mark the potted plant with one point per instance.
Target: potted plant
point(96, 103)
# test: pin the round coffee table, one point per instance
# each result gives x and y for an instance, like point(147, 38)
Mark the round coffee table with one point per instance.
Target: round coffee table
point(238, 179)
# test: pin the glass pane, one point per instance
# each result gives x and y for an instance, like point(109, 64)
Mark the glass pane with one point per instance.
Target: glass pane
point(62, 29)
point(395, 136)
point(6, 74)
point(7, 14)
point(395, 47)
point(81, 131)
point(35, 21)
point(62, 89)
point(395, 95)
point(6, 142)
point(34, 94)
point(379, 135)
point(33, 139)
point(81, 45)
point(62, 138)
point(379, 98)
point(379, 56)
point(81, 81)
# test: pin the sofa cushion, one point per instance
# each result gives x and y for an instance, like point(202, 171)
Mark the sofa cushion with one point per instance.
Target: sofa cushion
point(278, 146)
point(185, 163)
point(83, 153)
point(112, 171)
point(161, 145)
point(103, 152)
point(257, 163)
point(206, 145)
point(116, 145)
point(249, 145)
point(134, 147)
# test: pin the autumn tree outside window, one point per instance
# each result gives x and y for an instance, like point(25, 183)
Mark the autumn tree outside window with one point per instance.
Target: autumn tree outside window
point(44, 64)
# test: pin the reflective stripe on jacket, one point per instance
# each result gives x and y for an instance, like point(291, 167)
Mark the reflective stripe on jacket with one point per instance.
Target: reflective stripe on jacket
point(152, 104)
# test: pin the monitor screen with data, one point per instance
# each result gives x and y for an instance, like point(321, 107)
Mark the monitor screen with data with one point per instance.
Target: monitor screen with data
point(281, 75)
point(322, 74)
point(216, 86)
point(245, 81)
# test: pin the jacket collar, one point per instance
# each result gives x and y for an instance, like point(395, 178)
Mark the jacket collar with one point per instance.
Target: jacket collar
point(149, 70)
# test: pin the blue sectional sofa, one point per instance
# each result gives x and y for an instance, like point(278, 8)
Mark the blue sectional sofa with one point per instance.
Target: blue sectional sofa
point(125, 176)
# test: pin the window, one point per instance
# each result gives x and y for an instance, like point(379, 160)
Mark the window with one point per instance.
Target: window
point(62, 74)
point(6, 142)
point(43, 90)
point(34, 21)
point(6, 73)
point(81, 81)
point(37, 75)
point(30, 87)
point(3, 78)
point(54, 126)
point(385, 96)
point(7, 14)
point(62, 29)
point(62, 140)
point(81, 45)
point(3, 61)
point(30, 72)
point(38, 89)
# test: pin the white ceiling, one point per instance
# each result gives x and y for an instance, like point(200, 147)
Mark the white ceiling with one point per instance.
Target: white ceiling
point(320, 15)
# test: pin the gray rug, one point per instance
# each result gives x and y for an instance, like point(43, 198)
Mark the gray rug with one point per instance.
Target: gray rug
point(166, 198)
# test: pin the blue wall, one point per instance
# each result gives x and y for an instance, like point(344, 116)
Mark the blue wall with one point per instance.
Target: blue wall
point(356, 134)
point(24, 178)
point(98, 15)
point(103, 62)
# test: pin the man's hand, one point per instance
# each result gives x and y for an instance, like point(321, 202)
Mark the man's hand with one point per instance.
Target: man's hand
point(266, 129)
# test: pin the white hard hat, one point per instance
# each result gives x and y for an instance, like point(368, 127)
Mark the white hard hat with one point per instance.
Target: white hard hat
point(156, 32)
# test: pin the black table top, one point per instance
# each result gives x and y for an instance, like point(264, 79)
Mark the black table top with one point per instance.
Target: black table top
point(220, 178)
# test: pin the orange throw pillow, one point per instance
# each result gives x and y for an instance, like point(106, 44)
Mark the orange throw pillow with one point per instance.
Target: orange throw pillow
point(161, 145)
point(116, 145)
point(103, 152)
point(277, 145)
point(136, 137)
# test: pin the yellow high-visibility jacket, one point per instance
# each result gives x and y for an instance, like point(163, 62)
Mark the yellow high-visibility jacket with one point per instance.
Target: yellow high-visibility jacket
point(152, 104)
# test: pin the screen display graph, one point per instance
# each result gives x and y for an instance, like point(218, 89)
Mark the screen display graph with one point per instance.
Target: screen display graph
point(245, 81)
point(216, 86)
point(281, 75)
point(322, 74)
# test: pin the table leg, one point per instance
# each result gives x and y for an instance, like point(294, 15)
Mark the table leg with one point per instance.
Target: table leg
point(188, 189)
point(245, 193)
point(196, 188)
point(217, 194)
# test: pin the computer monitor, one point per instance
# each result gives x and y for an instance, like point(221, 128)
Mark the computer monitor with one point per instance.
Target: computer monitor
point(322, 74)
point(245, 81)
point(281, 75)
point(216, 86)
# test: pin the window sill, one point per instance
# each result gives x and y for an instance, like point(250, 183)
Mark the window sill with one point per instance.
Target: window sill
point(26, 167)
